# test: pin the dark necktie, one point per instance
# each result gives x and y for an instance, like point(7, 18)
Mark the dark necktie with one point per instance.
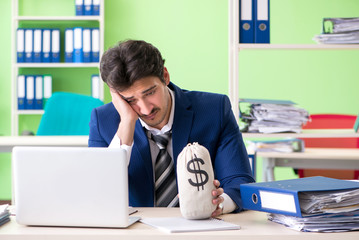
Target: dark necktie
point(165, 176)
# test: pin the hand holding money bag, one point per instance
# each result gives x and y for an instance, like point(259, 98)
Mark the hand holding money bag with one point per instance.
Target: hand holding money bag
point(195, 182)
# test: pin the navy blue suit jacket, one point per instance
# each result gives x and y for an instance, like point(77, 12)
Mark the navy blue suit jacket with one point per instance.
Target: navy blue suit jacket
point(206, 118)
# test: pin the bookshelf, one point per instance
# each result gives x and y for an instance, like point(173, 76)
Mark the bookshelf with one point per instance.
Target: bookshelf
point(234, 51)
point(39, 20)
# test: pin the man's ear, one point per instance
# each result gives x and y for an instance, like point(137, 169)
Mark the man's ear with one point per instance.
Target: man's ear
point(166, 75)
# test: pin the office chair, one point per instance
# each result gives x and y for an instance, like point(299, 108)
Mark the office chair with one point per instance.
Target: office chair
point(330, 121)
point(67, 114)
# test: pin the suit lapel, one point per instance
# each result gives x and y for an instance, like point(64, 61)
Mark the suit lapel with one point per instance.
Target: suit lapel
point(182, 122)
point(141, 146)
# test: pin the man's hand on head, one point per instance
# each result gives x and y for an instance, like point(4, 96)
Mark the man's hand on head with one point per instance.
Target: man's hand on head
point(128, 116)
point(123, 107)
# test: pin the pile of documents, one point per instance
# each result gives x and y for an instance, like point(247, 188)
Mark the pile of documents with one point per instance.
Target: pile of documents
point(272, 116)
point(312, 204)
point(281, 145)
point(335, 211)
point(339, 30)
point(4, 214)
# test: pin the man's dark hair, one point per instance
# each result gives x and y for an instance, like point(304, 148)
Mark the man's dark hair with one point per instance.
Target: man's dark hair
point(129, 61)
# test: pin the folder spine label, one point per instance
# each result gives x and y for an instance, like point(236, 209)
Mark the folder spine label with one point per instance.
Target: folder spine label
point(21, 92)
point(246, 21)
point(20, 45)
point(261, 21)
point(29, 45)
point(46, 45)
point(77, 54)
point(55, 45)
point(69, 44)
point(79, 7)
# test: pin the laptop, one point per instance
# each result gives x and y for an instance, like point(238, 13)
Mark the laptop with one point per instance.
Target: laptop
point(71, 186)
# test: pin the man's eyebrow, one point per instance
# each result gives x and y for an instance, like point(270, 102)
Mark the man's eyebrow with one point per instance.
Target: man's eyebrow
point(144, 92)
point(149, 89)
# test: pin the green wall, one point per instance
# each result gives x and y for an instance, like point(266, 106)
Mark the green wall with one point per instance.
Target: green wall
point(192, 36)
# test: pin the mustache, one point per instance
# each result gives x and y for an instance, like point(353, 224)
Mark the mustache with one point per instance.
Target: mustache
point(153, 111)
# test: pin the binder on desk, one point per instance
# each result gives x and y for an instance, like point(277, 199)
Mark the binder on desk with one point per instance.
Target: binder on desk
point(96, 7)
point(47, 87)
point(282, 197)
point(78, 56)
point(37, 45)
point(20, 45)
point(246, 22)
point(261, 21)
point(69, 44)
point(95, 45)
point(79, 5)
point(38, 92)
point(86, 45)
point(87, 7)
point(21, 92)
point(55, 45)
point(46, 45)
point(30, 92)
point(29, 45)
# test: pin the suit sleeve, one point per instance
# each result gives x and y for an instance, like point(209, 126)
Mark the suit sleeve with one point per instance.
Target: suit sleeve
point(95, 138)
point(232, 166)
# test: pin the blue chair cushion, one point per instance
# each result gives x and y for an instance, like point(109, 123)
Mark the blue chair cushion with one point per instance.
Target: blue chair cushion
point(67, 114)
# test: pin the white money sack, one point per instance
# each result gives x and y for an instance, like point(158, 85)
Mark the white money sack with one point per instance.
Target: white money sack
point(195, 182)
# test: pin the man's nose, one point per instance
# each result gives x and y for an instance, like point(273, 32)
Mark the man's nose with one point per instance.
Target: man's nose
point(145, 107)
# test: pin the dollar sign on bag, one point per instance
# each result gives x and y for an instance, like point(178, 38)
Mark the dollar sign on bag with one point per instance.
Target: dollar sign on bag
point(197, 172)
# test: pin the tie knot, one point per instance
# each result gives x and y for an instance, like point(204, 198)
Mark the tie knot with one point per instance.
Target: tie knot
point(162, 139)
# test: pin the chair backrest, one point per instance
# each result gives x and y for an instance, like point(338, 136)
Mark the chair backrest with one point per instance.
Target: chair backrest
point(67, 114)
point(330, 121)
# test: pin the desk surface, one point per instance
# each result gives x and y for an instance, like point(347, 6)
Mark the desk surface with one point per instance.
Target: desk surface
point(254, 226)
point(8, 142)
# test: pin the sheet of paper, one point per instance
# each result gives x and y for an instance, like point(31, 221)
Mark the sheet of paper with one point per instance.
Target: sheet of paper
point(179, 224)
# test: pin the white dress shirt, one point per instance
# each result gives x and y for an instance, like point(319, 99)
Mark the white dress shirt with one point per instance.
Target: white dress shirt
point(228, 204)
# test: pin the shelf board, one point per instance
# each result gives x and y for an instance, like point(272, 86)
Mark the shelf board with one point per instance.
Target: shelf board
point(58, 18)
point(57, 65)
point(308, 133)
point(30, 112)
point(298, 46)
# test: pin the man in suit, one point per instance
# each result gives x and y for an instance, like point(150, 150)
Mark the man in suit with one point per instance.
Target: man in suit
point(146, 104)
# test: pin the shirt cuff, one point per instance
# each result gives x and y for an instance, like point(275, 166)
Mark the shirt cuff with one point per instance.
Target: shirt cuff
point(228, 204)
point(116, 143)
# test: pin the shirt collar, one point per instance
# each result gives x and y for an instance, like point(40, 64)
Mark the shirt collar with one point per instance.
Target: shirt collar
point(166, 127)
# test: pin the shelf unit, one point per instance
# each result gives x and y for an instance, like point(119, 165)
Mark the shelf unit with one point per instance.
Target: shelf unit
point(234, 49)
point(17, 67)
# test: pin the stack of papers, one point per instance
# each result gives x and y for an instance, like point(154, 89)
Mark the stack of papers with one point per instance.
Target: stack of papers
point(4, 214)
point(338, 222)
point(328, 211)
point(338, 31)
point(312, 204)
point(273, 116)
point(282, 145)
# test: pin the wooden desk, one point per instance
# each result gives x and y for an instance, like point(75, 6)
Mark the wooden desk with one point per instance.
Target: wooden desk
point(329, 158)
point(254, 226)
point(8, 142)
